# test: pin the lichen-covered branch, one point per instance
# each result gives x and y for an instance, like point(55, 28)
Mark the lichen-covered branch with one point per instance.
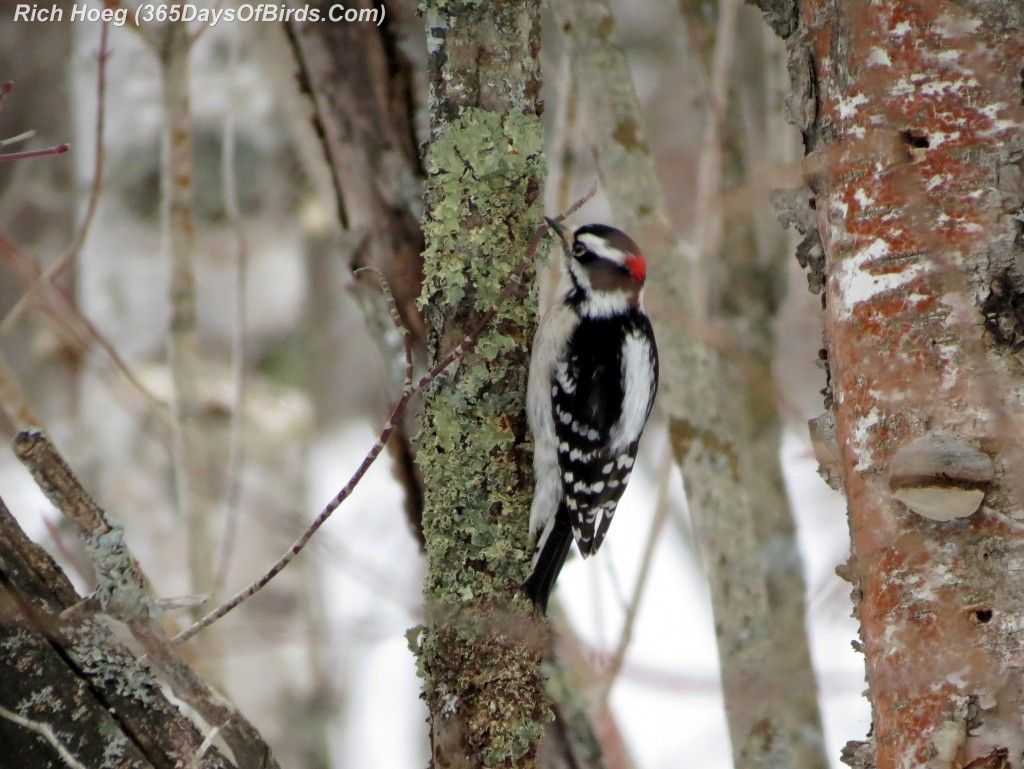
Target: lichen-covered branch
point(123, 594)
point(481, 671)
point(65, 670)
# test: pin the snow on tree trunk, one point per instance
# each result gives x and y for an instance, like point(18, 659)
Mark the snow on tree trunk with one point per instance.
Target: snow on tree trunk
point(912, 122)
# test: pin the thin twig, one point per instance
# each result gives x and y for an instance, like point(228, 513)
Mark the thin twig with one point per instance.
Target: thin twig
point(58, 149)
point(46, 732)
point(236, 445)
point(23, 136)
point(71, 252)
point(204, 747)
point(80, 332)
point(409, 390)
point(396, 317)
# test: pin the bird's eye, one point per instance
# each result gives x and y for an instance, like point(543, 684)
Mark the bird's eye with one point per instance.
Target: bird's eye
point(578, 250)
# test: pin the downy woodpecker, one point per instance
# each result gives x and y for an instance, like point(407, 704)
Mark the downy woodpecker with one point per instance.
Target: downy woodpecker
point(593, 377)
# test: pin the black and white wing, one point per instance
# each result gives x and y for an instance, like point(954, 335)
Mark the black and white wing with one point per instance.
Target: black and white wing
point(601, 401)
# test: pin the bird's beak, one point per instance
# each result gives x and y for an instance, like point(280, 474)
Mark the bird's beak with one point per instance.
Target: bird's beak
point(563, 232)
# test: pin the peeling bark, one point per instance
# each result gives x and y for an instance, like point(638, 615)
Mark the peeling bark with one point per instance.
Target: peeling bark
point(912, 121)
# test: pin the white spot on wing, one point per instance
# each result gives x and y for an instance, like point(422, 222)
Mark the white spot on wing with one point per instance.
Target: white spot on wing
point(564, 380)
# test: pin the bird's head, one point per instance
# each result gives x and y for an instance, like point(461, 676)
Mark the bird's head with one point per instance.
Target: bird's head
point(604, 264)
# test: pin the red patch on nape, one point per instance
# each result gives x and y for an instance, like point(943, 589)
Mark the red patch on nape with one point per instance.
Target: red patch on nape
point(637, 266)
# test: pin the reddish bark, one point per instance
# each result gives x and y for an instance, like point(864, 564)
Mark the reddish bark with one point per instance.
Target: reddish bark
point(912, 112)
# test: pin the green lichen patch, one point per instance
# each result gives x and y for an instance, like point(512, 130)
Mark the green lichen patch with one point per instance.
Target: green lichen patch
point(481, 211)
point(482, 676)
point(487, 690)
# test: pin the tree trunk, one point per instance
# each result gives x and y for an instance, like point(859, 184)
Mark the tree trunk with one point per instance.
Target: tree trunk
point(704, 442)
point(482, 680)
point(911, 118)
point(747, 285)
point(361, 86)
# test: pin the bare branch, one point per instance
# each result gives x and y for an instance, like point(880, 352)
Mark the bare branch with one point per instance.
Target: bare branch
point(236, 446)
point(708, 216)
point(172, 43)
point(71, 252)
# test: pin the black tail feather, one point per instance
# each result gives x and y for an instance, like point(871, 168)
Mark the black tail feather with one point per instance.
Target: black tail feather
point(541, 582)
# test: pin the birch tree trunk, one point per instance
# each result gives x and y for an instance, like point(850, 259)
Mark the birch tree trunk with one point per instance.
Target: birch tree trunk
point(484, 161)
point(912, 123)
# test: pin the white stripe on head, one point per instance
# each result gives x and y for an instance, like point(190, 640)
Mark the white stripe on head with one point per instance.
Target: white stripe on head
point(601, 247)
